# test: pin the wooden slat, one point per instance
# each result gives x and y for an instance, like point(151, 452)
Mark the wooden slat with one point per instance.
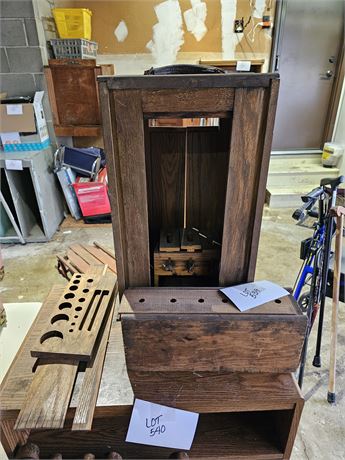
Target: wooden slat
point(207, 392)
point(211, 100)
point(77, 261)
point(48, 397)
point(261, 191)
point(109, 136)
point(131, 184)
point(83, 252)
point(235, 80)
point(104, 249)
point(242, 187)
point(92, 379)
point(102, 257)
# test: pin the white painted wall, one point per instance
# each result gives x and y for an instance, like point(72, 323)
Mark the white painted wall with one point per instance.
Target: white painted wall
point(339, 129)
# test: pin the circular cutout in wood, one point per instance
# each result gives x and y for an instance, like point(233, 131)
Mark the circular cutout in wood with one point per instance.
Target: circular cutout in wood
point(73, 288)
point(90, 280)
point(278, 301)
point(51, 335)
point(85, 290)
point(141, 300)
point(201, 300)
point(69, 295)
point(65, 305)
point(76, 281)
point(173, 300)
point(60, 317)
point(81, 299)
point(76, 316)
point(70, 330)
point(78, 308)
point(78, 276)
point(72, 324)
point(225, 300)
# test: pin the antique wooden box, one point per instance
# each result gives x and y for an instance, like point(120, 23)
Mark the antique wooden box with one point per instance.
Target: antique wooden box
point(186, 329)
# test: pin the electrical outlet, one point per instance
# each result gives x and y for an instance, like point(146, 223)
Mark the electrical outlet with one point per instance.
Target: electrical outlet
point(239, 26)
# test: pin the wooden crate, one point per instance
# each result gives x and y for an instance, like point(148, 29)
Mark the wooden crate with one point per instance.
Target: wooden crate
point(212, 178)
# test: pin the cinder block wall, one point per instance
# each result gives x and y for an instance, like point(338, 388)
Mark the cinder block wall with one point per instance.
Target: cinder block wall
point(21, 65)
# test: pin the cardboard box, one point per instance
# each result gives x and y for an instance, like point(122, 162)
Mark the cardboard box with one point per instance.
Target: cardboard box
point(23, 127)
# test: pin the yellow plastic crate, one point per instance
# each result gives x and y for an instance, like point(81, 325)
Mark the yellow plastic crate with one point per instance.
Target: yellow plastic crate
point(73, 22)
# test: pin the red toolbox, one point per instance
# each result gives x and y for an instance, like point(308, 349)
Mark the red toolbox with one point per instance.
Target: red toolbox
point(93, 196)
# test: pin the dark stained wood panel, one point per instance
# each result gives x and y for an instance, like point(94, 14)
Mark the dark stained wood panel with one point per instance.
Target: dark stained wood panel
point(207, 165)
point(188, 101)
point(166, 152)
point(76, 96)
point(245, 163)
point(131, 186)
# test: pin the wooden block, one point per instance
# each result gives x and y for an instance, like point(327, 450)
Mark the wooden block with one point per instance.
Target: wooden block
point(190, 240)
point(48, 397)
point(176, 330)
point(73, 326)
point(92, 379)
point(170, 240)
point(204, 263)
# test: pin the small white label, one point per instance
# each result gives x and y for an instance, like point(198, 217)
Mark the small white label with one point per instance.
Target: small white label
point(14, 109)
point(250, 295)
point(14, 165)
point(243, 66)
point(10, 138)
point(162, 426)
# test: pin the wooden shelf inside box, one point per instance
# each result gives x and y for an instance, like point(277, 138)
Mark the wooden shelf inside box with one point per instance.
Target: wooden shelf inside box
point(250, 435)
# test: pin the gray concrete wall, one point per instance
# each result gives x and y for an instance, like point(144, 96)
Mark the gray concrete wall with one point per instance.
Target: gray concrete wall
point(21, 64)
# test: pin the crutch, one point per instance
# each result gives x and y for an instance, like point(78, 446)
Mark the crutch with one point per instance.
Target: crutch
point(339, 213)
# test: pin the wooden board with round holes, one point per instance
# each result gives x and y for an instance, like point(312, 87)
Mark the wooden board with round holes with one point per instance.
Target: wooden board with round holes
point(73, 327)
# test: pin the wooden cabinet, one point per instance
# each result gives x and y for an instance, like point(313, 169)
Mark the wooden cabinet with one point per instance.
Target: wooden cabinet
point(211, 178)
point(73, 95)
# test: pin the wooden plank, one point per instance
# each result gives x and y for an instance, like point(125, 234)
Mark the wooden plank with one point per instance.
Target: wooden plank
point(242, 187)
point(261, 191)
point(165, 149)
point(205, 342)
point(78, 131)
point(83, 252)
point(197, 300)
point(102, 257)
point(210, 100)
point(109, 136)
point(207, 392)
point(207, 166)
point(170, 240)
point(51, 94)
point(131, 182)
point(190, 240)
point(104, 249)
point(236, 80)
point(48, 397)
point(72, 328)
point(77, 261)
point(91, 382)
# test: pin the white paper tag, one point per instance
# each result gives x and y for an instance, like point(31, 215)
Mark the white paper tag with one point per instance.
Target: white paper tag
point(162, 426)
point(14, 109)
point(250, 295)
point(243, 66)
point(10, 138)
point(15, 165)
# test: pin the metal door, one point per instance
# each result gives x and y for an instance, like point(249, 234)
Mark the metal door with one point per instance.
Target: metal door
point(309, 40)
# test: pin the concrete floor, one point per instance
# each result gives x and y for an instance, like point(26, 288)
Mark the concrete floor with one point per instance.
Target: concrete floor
point(30, 272)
